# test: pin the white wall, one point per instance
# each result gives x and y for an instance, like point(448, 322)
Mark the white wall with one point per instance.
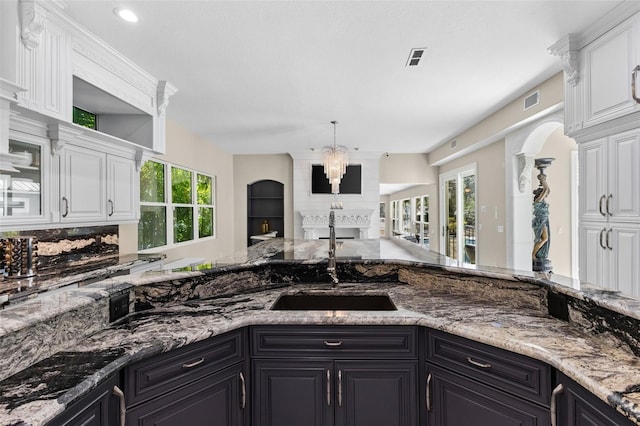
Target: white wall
point(304, 200)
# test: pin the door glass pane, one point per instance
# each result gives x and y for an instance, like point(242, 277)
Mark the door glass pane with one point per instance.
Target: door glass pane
point(406, 216)
point(182, 224)
point(20, 193)
point(152, 227)
point(425, 221)
point(452, 222)
point(469, 199)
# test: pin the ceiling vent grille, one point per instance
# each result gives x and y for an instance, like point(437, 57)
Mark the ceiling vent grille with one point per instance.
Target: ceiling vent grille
point(532, 100)
point(415, 56)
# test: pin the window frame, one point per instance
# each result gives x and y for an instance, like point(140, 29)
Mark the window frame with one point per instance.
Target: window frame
point(169, 206)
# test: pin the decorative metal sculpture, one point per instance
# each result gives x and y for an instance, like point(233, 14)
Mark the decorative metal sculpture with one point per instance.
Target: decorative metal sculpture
point(540, 223)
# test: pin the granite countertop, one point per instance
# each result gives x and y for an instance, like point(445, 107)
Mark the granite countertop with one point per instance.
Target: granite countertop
point(496, 307)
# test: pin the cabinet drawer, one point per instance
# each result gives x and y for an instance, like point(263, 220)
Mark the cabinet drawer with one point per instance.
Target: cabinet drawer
point(334, 341)
point(165, 372)
point(507, 371)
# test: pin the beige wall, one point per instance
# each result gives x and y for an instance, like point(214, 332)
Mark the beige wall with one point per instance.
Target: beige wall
point(186, 149)
point(551, 94)
point(558, 146)
point(490, 193)
point(248, 169)
point(407, 168)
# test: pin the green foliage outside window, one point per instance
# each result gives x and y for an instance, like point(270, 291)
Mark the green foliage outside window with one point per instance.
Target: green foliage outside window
point(205, 189)
point(152, 227)
point(182, 224)
point(180, 186)
point(205, 222)
point(152, 182)
point(85, 118)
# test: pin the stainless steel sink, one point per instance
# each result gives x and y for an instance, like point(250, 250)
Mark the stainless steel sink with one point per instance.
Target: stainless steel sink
point(333, 302)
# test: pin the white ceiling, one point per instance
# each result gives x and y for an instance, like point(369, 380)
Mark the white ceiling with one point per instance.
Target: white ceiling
point(268, 76)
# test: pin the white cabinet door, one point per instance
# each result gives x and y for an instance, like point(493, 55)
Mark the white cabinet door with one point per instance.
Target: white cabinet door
point(122, 189)
point(623, 244)
point(593, 180)
point(607, 64)
point(623, 199)
point(592, 253)
point(84, 188)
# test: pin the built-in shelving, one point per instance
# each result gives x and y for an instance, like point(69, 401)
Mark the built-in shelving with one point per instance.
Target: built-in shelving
point(265, 205)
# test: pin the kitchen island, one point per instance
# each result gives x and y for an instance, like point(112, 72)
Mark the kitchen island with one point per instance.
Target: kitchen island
point(589, 335)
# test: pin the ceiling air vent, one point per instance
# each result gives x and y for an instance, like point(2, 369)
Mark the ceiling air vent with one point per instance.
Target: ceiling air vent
point(414, 56)
point(532, 100)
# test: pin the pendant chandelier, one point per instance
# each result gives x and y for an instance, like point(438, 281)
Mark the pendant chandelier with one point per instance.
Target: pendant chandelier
point(335, 160)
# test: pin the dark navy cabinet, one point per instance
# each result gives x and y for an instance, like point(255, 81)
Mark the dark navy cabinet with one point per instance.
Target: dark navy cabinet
point(101, 407)
point(334, 375)
point(471, 383)
point(200, 384)
point(578, 407)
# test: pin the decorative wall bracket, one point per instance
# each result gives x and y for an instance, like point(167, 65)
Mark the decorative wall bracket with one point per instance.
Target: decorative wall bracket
point(59, 137)
point(33, 20)
point(164, 91)
point(142, 155)
point(567, 49)
point(525, 166)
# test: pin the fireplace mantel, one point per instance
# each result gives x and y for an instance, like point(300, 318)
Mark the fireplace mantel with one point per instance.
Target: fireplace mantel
point(315, 220)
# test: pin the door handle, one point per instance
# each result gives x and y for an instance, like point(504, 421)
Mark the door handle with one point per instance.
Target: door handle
point(193, 364)
point(478, 364)
point(634, 73)
point(123, 408)
point(111, 205)
point(340, 388)
point(600, 205)
point(601, 243)
point(333, 344)
point(607, 239)
point(328, 388)
point(243, 391)
point(66, 206)
point(428, 393)
point(554, 404)
point(608, 201)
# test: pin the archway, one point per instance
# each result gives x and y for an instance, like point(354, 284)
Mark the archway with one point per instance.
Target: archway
point(521, 147)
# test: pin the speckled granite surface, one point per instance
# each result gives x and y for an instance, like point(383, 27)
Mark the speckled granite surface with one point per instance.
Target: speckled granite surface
point(597, 346)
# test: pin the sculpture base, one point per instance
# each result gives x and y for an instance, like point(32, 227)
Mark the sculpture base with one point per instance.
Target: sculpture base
point(542, 265)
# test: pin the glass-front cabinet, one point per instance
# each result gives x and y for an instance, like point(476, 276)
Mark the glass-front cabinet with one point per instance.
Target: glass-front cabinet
point(22, 192)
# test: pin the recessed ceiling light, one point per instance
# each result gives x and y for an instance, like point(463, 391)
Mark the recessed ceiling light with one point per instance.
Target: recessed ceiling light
point(126, 15)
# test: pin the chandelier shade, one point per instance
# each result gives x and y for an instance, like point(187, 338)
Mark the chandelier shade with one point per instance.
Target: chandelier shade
point(335, 160)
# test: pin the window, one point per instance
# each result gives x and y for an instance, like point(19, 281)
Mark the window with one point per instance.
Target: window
point(175, 196)
point(85, 118)
point(421, 220)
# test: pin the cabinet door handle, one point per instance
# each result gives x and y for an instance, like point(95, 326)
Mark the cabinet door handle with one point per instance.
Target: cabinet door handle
point(123, 408)
point(634, 73)
point(607, 239)
point(554, 404)
point(328, 388)
point(110, 205)
point(600, 205)
point(243, 391)
point(193, 364)
point(340, 388)
point(478, 364)
point(428, 393)
point(66, 206)
point(601, 243)
point(608, 201)
point(333, 344)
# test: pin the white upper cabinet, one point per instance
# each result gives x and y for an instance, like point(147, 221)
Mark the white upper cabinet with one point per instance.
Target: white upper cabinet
point(83, 185)
point(122, 189)
point(600, 67)
point(607, 66)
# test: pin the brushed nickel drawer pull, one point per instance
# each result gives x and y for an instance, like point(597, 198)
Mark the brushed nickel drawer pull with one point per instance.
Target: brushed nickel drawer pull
point(193, 364)
point(609, 201)
point(123, 409)
point(607, 239)
point(554, 404)
point(478, 364)
point(333, 344)
point(600, 205)
point(66, 206)
point(110, 205)
point(601, 234)
point(243, 391)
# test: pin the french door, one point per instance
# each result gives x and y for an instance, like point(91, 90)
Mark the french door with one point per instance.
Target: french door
point(458, 216)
